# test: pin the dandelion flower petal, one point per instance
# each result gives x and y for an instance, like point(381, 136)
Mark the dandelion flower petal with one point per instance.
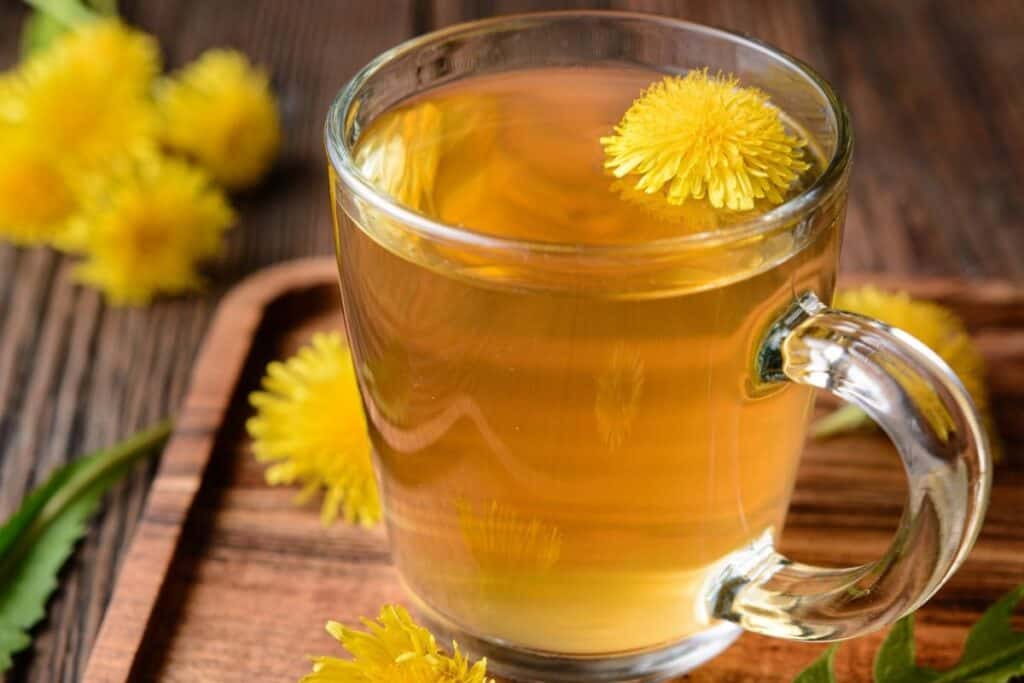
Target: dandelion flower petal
point(309, 426)
point(87, 95)
point(220, 111)
point(36, 195)
point(699, 136)
point(393, 649)
point(147, 229)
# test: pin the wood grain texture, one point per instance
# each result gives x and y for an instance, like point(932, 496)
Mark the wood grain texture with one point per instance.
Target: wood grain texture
point(76, 375)
point(254, 578)
point(937, 100)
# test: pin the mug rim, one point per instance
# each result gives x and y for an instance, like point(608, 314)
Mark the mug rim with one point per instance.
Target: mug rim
point(341, 154)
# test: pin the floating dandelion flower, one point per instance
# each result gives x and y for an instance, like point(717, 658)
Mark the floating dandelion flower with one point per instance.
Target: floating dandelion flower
point(220, 111)
point(309, 426)
point(703, 137)
point(393, 649)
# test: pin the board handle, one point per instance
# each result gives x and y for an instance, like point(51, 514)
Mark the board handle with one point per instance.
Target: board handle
point(919, 402)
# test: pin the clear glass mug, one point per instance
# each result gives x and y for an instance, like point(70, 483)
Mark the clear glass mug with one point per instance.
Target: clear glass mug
point(586, 452)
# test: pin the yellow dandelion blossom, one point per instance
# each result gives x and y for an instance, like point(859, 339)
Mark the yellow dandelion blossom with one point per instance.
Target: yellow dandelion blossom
point(147, 228)
point(309, 425)
point(936, 327)
point(704, 136)
point(113, 49)
point(36, 197)
point(87, 95)
point(393, 649)
point(11, 106)
point(220, 111)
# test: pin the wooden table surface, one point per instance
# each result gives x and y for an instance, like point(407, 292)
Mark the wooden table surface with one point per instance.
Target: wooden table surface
point(937, 99)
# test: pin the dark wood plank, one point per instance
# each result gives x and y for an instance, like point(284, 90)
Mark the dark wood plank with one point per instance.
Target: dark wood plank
point(76, 375)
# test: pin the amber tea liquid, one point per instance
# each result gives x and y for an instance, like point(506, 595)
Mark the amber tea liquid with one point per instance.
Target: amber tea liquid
point(565, 456)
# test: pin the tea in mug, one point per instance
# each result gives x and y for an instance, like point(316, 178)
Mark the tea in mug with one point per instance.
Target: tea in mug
point(566, 459)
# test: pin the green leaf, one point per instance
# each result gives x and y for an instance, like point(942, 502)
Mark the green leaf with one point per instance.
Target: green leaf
point(68, 13)
point(51, 18)
point(37, 540)
point(822, 670)
point(107, 8)
point(895, 659)
point(38, 31)
point(994, 652)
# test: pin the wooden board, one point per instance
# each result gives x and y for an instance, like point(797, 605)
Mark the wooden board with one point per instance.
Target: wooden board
point(226, 580)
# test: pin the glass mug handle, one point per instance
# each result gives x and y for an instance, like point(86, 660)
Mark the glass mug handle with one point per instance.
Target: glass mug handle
point(914, 396)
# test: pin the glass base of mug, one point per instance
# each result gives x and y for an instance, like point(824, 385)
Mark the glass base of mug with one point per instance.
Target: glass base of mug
point(526, 666)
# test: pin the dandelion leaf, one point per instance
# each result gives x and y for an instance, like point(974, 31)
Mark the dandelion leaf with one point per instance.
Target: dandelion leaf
point(822, 670)
point(38, 539)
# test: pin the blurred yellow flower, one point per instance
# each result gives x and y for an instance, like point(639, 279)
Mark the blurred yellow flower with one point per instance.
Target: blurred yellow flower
point(394, 650)
point(36, 198)
point(704, 136)
point(220, 110)
point(87, 96)
point(144, 230)
point(11, 107)
point(935, 326)
point(309, 425)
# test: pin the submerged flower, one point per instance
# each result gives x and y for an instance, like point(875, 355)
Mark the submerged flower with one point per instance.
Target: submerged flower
point(402, 156)
point(220, 111)
point(146, 229)
point(705, 137)
point(500, 539)
point(617, 398)
point(86, 97)
point(936, 327)
point(690, 217)
point(309, 425)
point(36, 198)
point(394, 649)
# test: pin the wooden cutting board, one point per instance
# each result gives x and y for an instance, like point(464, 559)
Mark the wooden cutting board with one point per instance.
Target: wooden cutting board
point(226, 580)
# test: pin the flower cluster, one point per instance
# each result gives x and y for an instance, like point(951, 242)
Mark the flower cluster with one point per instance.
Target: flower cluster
point(394, 649)
point(309, 426)
point(107, 159)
